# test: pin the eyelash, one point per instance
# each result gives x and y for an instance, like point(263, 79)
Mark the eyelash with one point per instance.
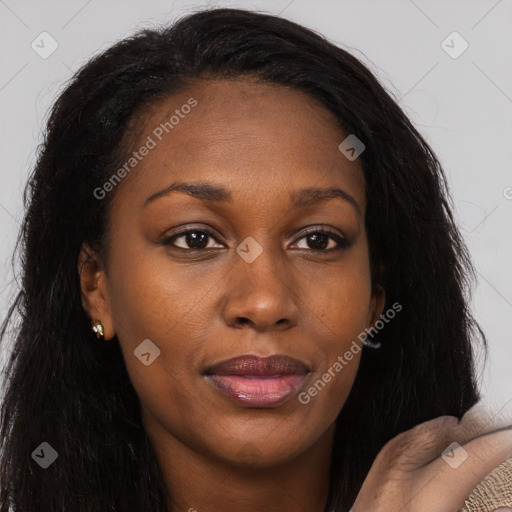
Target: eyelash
point(342, 242)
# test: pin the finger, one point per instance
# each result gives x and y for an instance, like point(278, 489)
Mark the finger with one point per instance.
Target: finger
point(462, 467)
point(419, 446)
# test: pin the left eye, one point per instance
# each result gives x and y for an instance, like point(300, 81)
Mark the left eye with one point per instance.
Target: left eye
point(320, 240)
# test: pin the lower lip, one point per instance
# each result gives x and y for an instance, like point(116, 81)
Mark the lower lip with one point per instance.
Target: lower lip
point(257, 391)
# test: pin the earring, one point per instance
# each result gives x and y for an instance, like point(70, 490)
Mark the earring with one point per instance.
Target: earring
point(98, 329)
point(371, 344)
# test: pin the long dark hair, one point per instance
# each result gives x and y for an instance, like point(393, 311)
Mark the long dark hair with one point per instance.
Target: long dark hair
point(65, 388)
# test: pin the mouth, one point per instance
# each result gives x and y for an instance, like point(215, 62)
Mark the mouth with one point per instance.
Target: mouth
point(258, 382)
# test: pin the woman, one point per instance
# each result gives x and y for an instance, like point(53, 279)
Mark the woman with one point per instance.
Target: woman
point(243, 289)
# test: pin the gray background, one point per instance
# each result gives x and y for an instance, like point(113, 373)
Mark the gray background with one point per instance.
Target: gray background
point(463, 106)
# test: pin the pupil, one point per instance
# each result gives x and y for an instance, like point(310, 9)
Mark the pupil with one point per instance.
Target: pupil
point(197, 239)
point(324, 240)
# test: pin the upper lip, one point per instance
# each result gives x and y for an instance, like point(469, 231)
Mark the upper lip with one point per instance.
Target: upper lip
point(259, 366)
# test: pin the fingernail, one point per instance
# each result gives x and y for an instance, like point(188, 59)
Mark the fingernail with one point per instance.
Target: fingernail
point(452, 420)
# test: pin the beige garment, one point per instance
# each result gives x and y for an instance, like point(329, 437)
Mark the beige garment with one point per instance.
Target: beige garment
point(493, 492)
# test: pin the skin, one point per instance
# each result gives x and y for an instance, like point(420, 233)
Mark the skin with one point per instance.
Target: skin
point(199, 307)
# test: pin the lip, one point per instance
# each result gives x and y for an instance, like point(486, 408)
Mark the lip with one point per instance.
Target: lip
point(260, 382)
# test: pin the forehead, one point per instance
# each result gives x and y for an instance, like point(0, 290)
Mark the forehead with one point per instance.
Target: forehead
point(257, 139)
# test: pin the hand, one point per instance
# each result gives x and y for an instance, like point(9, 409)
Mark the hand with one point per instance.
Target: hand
point(409, 473)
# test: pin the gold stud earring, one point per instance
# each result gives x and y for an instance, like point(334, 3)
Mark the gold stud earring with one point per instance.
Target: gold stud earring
point(98, 329)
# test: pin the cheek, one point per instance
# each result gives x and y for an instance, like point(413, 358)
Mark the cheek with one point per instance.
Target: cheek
point(157, 305)
point(151, 300)
point(343, 299)
point(153, 297)
point(343, 304)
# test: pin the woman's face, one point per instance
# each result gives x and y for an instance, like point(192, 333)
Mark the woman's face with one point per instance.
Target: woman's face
point(254, 287)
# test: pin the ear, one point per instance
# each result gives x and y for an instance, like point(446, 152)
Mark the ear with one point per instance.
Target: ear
point(377, 303)
point(94, 290)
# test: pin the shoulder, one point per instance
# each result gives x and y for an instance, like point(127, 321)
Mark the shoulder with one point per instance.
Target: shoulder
point(494, 492)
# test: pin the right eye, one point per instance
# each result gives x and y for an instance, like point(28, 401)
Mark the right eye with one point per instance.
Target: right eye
point(191, 239)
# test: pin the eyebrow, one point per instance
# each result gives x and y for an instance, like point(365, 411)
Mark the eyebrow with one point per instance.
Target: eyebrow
point(303, 198)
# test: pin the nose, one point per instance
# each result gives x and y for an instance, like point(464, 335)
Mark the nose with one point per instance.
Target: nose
point(260, 295)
